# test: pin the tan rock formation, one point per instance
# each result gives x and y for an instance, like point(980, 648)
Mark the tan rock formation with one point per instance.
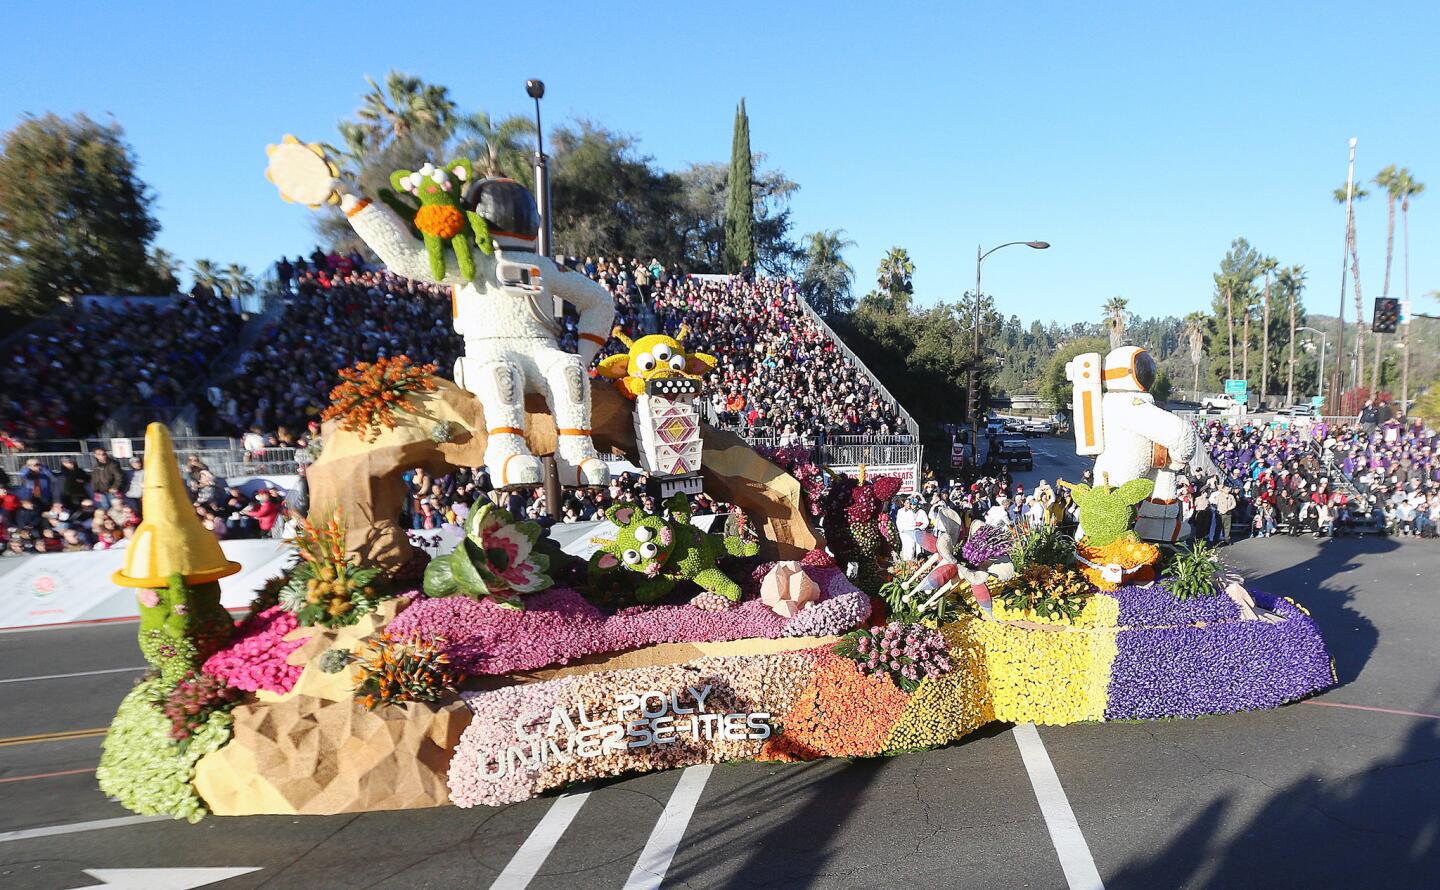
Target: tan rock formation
point(363, 479)
point(309, 756)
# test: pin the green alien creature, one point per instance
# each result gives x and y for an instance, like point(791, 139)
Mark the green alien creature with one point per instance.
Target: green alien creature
point(667, 552)
point(430, 197)
point(1106, 513)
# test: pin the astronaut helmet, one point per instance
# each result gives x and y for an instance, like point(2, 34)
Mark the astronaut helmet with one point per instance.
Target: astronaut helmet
point(507, 208)
point(1129, 369)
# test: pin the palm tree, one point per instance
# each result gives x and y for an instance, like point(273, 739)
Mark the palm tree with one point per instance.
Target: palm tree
point(1409, 187)
point(1290, 281)
point(406, 106)
point(1355, 194)
point(1194, 334)
point(1115, 315)
point(1267, 265)
point(826, 278)
point(237, 282)
point(895, 279)
point(206, 274)
point(1247, 302)
point(1388, 180)
point(501, 146)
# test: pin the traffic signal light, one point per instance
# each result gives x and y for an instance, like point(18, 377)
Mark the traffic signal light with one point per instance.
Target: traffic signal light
point(1387, 315)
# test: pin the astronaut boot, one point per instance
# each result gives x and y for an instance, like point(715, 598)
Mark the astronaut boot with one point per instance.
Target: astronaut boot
point(579, 463)
point(510, 462)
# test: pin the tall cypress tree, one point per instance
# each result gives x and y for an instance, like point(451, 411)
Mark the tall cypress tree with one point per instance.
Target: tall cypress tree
point(740, 207)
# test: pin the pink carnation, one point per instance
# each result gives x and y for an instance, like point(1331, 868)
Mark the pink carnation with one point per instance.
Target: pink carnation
point(255, 658)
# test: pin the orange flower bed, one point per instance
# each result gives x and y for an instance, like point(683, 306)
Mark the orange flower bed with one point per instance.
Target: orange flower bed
point(840, 713)
point(369, 394)
point(1124, 552)
point(440, 221)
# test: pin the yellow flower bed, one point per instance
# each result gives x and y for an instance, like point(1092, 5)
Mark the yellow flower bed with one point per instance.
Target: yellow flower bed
point(1044, 676)
point(949, 707)
point(1099, 611)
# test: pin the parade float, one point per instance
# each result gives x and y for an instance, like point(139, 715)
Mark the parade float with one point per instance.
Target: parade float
point(375, 676)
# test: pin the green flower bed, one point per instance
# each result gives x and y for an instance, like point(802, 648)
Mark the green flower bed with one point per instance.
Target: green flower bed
point(144, 768)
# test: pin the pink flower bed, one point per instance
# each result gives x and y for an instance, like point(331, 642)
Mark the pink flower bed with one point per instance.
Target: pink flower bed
point(256, 656)
point(559, 625)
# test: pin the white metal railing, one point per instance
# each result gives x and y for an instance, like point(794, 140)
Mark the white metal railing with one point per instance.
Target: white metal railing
point(224, 462)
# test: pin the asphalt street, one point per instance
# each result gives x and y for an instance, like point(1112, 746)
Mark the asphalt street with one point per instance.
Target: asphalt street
point(1337, 791)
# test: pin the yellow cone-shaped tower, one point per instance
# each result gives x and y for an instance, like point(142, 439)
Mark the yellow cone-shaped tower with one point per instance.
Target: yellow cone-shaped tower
point(170, 537)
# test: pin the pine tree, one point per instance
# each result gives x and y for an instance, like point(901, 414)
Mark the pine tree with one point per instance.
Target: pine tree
point(740, 208)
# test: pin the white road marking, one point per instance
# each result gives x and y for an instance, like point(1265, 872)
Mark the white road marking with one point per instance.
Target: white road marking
point(664, 840)
point(1070, 846)
point(132, 670)
point(527, 861)
point(77, 827)
point(161, 878)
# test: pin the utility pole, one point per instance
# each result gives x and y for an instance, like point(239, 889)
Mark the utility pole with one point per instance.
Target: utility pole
point(535, 89)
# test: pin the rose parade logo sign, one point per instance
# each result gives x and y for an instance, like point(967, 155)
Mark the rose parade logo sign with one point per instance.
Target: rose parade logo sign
point(643, 720)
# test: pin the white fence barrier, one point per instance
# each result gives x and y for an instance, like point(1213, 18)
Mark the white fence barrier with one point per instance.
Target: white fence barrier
point(60, 588)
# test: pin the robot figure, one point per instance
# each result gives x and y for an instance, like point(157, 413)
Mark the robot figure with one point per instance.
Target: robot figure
point(1132, 438)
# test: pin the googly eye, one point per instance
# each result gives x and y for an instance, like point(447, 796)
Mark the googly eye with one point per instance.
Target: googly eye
point(648, 550)
point(645, 362)
point(677, 362)
point(662, 352)
point(631, 557)
point(644, 533)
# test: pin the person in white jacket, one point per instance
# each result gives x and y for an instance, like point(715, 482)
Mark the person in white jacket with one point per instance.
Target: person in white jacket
point(505, 313)
point(910, 520)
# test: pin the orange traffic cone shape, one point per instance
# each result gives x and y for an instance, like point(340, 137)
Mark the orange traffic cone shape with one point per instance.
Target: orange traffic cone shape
point(170, 537)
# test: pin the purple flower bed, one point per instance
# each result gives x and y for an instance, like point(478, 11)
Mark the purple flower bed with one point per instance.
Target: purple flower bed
point(559, 625)
point(1218, 669)
point(1155, 607)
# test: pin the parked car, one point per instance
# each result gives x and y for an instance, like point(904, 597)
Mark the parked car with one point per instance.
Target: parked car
point(1222, 402)
point(1013, 451)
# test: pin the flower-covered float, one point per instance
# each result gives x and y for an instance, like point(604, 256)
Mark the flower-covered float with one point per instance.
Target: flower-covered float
point(374, 677)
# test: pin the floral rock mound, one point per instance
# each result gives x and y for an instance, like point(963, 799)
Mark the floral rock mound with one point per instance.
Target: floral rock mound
point(1139, 654)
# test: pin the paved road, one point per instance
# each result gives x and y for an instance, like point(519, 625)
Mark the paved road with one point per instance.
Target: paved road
point(1335, 792)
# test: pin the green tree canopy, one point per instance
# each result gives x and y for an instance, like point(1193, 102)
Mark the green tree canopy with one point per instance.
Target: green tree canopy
point(74, 216)
point(827, 277)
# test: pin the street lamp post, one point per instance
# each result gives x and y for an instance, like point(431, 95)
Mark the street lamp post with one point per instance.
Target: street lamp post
point(1320, 376)
point(975, 355)
point(535, 89)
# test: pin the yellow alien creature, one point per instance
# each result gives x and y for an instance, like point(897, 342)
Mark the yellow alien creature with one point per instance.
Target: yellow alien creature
point(653, 357)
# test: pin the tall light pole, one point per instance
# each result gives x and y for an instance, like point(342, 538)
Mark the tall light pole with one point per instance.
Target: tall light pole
point(1320, 375)
point(1336, 384)
point(974, 388)
point(535, 89)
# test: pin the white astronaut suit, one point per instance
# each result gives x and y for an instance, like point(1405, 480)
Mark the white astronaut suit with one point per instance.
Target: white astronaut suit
point(511, 341)
point(1131, 436)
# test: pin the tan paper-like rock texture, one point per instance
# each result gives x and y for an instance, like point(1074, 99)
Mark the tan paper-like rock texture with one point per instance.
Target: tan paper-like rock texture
point(309, 756)
point(362, 478)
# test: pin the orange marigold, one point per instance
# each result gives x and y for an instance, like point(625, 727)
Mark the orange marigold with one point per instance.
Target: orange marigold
point(440, 221)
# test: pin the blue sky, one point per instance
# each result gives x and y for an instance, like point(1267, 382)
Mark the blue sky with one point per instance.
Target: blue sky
point(1137, 139)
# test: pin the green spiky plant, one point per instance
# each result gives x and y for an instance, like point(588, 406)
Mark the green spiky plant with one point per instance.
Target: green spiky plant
point(1041, 544)
point(1194, 571)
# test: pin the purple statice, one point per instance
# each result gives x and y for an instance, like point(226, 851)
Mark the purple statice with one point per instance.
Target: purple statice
point(1154, 606)
point(986, 543)
point(1188, 670)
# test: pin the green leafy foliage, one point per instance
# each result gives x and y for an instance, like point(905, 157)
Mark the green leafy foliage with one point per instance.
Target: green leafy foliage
point(181, 626)
point(1041, 544)
point(1193, 570)
point(190, 704)
point(319, 594)
point(740, 203)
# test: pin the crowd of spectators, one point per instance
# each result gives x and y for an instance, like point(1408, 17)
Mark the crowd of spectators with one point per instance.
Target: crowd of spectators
point(69, 508)
point(63, 381)
point(780, 375)
point(1379, 474)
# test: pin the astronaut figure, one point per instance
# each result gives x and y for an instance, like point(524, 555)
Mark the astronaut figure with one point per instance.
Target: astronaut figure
point(511, 338)
point(1132, 438)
